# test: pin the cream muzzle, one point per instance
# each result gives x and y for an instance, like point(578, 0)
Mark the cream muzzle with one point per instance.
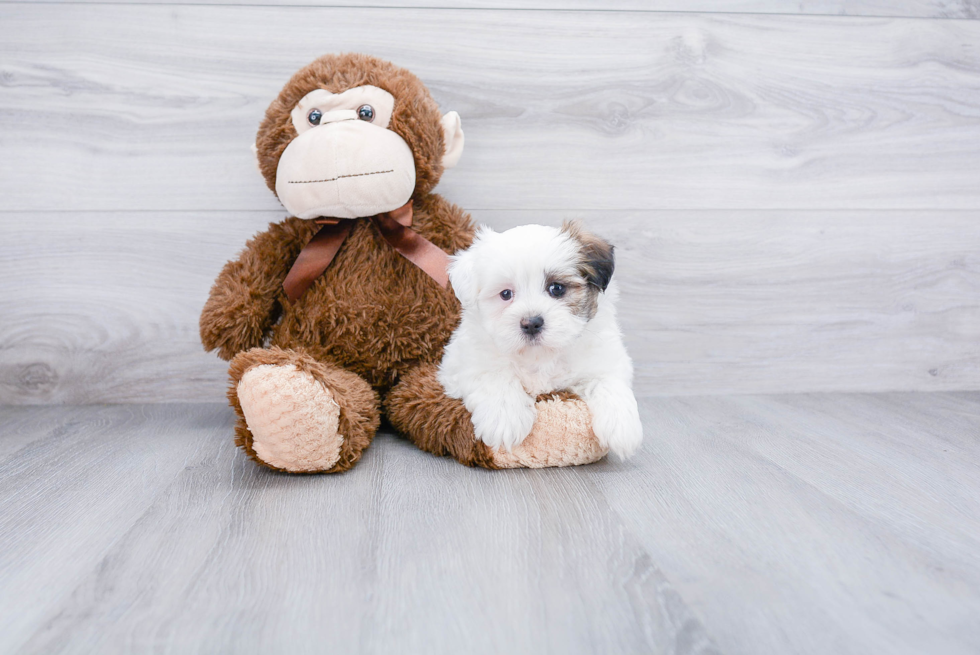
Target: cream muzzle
point(345, 167)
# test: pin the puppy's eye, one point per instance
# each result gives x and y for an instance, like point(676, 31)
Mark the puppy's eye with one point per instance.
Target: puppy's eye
point(314, 116)
point(365, 113)
point(506, 294)
point(556, 289)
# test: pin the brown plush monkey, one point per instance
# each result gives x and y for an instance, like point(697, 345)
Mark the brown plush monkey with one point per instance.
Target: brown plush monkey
point(327, 322)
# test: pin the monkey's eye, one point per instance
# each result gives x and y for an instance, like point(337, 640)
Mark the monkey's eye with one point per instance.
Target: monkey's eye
point(314, 116)
point(556, 289)
point(506, 294)
point(365, 113)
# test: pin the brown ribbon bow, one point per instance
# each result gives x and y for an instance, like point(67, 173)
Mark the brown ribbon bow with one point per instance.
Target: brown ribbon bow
point(395, 227)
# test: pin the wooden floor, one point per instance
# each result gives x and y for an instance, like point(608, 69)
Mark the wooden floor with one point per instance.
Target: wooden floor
point(810, 523)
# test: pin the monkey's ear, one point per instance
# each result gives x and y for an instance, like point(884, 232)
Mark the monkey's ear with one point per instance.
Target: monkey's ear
point(452, 130)
point(255, 153)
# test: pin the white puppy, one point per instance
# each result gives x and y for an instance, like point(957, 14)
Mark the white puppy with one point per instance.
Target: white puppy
point(538, 316)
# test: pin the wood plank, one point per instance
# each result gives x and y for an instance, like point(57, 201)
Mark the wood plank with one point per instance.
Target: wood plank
point(886, 469)
point(231, 558)
point(22, 426)
point(106, 305)
point(104, 308)
point(951, 420)
point(966, 9)
point(121, 107)
point(808, 524)
point(69, 496)
point(526, 561)
point(811, 523)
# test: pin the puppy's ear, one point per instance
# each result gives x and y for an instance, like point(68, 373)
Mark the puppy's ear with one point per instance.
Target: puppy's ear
point(596, 258)
point(462, 275)
point(462, 269)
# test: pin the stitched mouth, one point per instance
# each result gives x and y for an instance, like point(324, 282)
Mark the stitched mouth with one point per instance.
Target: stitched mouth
point(339, 177)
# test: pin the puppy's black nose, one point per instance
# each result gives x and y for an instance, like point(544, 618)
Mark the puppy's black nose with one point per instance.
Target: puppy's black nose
point(531, 326)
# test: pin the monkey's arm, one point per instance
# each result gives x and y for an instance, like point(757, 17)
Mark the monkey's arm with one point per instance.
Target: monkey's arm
point(562, 435)
point(245, 300)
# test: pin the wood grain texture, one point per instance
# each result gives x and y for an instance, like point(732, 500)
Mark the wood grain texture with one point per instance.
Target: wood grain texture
point(82, 480)
point(502, 563)
point(969, 9)
point(231, 558)
point(105, 308)
point(813, 523)
point(809, 523)
point(126, 182)
point(111, 107)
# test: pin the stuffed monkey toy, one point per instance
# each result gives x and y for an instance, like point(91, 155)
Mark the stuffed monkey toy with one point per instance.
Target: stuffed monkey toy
point(341, 312)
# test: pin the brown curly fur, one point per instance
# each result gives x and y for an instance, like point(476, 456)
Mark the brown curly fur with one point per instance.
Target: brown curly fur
point(372, 311)
point(419, 409)
point(372, 314)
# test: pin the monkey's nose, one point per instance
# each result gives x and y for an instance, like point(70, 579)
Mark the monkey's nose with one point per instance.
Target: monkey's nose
point(532, 325)
point(338, 115)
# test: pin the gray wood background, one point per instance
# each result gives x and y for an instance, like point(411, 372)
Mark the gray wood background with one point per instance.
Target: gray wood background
point(794, 188)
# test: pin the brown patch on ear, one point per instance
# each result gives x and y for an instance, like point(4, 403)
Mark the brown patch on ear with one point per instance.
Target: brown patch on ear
point(584, 300)
point(597, 261)
point(580, 296)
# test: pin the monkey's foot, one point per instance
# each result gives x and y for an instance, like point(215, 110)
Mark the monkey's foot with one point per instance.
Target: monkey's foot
point(293, 418)
point(298, 414)
point(562, 436)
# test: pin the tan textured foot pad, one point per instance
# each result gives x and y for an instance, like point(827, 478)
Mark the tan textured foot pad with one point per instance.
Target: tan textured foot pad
point(562, 436)
point(292, 417)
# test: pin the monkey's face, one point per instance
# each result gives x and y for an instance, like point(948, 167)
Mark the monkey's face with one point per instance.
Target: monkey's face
point(352, 151)
point(345, 162)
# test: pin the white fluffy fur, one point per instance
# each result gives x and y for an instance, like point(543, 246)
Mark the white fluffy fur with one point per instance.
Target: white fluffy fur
point(498, 372)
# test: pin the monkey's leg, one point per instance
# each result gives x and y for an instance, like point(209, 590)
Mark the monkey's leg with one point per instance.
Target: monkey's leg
point(562, 433)
point(300, 415)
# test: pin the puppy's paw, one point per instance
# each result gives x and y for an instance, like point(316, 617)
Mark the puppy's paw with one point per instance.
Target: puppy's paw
point(616, 422)
point(502, 421)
